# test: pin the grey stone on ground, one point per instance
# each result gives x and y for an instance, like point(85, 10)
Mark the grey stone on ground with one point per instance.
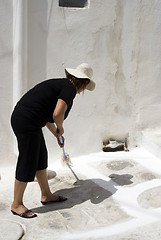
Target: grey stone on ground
point(148, 232)
point(146, 176)
point(10, 230)
point(122, 168)
point(119, 165)
point(150, 198)
point(51, 174)
point(3, 206)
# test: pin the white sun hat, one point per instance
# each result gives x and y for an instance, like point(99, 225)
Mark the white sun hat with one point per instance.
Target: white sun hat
point(83, 71)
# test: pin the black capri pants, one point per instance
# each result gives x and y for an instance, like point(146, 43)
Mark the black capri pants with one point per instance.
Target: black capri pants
point(31, 145)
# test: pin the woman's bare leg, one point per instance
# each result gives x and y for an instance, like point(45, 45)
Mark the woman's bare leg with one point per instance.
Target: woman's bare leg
point(46, 194)
point(17, 205)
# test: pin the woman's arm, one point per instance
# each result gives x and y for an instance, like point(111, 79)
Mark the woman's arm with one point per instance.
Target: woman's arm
point(58, 115)
point(52, 128)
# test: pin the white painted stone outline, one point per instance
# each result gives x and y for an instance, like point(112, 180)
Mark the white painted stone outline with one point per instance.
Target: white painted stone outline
point(122, 197)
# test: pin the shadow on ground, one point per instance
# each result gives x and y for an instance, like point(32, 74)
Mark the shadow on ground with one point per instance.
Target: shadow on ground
point(95, 190)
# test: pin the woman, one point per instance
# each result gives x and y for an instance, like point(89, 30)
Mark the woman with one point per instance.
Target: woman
point(47, 104)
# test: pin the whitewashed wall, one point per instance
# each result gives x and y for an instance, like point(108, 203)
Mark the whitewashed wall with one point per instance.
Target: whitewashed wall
point(119, 39)
point(6, 77)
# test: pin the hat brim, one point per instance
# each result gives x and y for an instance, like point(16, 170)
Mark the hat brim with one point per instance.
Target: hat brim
point(90, 86)
point(74, 72)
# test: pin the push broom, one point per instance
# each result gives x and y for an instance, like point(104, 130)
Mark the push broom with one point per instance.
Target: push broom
point(66, 159)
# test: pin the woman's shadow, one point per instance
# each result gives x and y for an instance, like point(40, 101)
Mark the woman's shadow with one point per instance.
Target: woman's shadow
point(95, 190)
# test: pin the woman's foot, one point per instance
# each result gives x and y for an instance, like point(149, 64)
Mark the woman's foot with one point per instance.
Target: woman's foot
point(22, 211)
point(52, 198)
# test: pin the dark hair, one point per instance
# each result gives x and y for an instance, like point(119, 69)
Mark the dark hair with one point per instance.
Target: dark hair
point(79, 83)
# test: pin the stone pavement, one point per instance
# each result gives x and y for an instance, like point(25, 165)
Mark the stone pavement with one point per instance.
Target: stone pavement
point(117, 197)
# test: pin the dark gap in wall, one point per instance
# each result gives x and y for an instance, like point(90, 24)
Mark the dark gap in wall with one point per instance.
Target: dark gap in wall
point(73, 3)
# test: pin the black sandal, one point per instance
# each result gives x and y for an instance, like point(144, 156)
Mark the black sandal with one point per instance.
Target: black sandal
point(25, 214)
point(60, 199)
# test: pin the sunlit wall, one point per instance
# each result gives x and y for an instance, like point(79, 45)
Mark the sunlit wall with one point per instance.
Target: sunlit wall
point(119, 39)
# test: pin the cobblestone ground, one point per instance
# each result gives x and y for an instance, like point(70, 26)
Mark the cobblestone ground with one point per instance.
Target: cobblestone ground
point(117, 197)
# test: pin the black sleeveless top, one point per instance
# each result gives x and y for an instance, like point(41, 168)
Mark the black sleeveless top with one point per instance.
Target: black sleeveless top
point(38, 103)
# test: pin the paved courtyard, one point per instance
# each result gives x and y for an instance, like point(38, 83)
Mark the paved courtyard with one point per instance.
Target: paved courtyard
point(117, 197)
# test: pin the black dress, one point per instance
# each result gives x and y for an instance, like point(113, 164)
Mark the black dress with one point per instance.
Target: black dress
point(32, 113)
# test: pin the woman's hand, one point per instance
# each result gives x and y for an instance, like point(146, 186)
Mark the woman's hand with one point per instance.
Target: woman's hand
point(57, 132)
point(52, 128)
point(63, 139)
point(60, 131)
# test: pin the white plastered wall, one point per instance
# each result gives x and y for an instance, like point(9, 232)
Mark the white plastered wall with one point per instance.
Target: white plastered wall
point(6, 83)
point(119, 39)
